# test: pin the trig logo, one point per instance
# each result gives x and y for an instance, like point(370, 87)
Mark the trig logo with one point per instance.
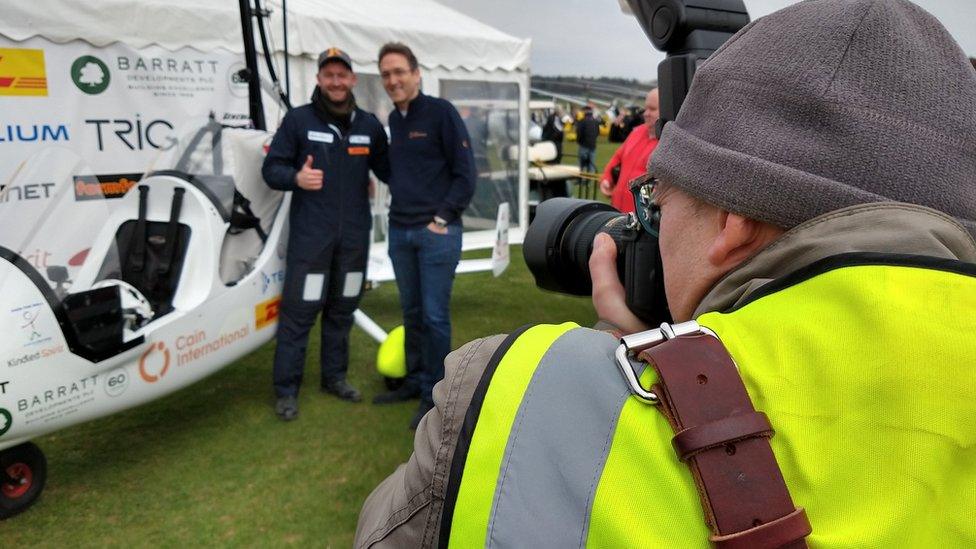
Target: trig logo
point(22, 72)
point(154, 363)
point(266, 312)
point(90, 74)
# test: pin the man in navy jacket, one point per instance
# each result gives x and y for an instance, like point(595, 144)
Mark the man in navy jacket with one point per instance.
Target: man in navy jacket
point(432, 182)
point(323, 152)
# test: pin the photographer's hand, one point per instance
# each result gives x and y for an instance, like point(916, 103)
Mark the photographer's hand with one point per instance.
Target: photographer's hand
point(609, 297)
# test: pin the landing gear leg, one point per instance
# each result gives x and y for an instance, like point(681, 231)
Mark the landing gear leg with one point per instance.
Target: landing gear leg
point(23, 472)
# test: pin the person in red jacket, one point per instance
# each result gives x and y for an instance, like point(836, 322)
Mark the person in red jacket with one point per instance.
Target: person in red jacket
point(632, 158)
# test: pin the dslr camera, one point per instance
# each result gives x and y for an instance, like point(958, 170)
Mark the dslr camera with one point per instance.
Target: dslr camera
point(559, 241)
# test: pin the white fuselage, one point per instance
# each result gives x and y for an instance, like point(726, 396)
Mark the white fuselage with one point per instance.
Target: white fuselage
point(45, 387)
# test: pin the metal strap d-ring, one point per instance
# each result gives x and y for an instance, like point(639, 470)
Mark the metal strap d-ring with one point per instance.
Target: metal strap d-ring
point(634, 344)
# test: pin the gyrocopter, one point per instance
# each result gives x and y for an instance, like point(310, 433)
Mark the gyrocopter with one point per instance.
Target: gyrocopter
point(175, 277)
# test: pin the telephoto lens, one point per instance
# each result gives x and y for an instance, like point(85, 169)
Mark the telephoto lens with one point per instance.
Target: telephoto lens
point(559, 242)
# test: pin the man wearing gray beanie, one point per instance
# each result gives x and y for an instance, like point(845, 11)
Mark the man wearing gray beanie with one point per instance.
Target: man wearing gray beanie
point(817, 199)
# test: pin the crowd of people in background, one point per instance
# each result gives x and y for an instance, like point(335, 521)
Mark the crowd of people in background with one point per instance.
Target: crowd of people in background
point(625, 121)
point(634, 127)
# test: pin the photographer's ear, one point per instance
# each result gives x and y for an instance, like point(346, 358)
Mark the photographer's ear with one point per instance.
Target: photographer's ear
point(738, 239)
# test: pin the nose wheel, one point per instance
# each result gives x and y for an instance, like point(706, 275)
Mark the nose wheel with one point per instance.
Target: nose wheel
point(23, 471)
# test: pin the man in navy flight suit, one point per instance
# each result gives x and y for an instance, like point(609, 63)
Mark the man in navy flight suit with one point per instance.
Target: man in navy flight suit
point(432, 181)
point(323, 152)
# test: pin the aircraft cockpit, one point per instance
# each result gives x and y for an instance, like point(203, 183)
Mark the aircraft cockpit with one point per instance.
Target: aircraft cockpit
point(111, 254)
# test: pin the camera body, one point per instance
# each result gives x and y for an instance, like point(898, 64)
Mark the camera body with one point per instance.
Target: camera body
point(559, 241)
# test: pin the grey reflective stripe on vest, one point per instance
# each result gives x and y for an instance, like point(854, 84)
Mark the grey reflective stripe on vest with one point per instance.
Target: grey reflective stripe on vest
point(558, 445)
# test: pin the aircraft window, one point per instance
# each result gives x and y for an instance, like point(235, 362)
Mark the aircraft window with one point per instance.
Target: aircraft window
point(225, 164)
point(490, 111)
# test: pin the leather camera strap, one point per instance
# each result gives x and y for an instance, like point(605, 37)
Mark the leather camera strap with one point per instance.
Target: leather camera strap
point(725, 441)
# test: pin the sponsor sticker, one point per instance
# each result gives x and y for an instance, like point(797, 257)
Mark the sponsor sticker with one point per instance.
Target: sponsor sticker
point(110, 186)
point(359, 140)
point(24, 133)
point(321, 137)
point(90, 74)
point(116, 382)
point(154, 363)
point(57, 401)
point(27, 191)
point(32, 334)
point(275, 279)
point(195, 346)
point(27, 358)
point(235, 117)
point(171, 76)
point(266, 312)
point(22, 72)
point(236, 82)
point(6, 421)
point(38, 258)
point(135, 134)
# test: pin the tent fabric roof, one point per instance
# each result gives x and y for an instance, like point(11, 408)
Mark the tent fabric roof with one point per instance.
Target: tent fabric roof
point(439, 36)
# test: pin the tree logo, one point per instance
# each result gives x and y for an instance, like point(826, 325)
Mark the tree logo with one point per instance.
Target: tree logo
point(90, 74)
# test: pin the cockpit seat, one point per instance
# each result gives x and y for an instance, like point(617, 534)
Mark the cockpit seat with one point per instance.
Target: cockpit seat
point(151, 253)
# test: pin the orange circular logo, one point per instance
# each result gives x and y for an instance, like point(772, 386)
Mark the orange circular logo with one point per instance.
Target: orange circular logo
point(150, 362)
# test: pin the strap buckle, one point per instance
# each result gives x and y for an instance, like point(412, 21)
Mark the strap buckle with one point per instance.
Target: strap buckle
point(634, 344)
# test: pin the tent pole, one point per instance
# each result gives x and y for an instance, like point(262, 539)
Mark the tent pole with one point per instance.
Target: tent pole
point(255, 108)
point(284, 24)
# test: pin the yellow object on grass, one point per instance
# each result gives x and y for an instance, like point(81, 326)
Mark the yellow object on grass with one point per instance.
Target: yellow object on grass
point(391, 358)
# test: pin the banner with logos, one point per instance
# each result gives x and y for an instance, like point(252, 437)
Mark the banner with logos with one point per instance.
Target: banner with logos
point(80, 125)
point(120, 109)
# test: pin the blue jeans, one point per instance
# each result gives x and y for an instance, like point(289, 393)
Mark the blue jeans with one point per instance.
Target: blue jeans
point(424, 264)
point(587, 159)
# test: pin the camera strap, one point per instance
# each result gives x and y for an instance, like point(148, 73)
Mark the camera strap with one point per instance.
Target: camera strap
point(725, 441)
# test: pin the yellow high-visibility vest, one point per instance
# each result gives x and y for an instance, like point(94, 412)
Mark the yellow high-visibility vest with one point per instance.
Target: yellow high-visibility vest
point(864, 363)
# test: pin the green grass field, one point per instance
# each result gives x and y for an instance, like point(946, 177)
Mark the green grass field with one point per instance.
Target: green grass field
point(604, 150)
point(212, 465)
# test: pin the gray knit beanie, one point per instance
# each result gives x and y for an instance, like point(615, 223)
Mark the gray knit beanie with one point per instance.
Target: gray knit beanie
point(827, 104)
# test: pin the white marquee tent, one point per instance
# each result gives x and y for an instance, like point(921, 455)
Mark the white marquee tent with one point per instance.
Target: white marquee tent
point(116, 79)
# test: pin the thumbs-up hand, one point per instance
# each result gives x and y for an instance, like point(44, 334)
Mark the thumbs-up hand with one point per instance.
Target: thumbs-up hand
point(309, 178)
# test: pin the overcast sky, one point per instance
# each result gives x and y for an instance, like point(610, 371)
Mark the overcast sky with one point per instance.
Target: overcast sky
point(594, 38)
